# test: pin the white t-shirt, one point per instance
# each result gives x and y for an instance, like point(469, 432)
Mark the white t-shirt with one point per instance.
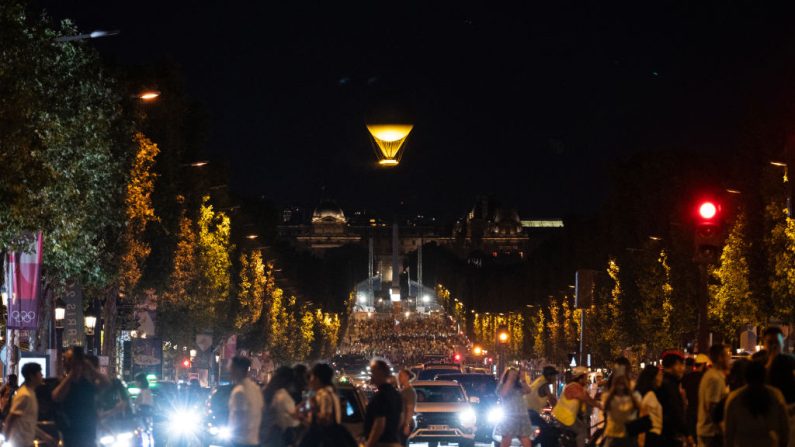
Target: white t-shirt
point(25, 408)
point(245, 412)
point(651, 406)
point(710, 391)
point(282, 407)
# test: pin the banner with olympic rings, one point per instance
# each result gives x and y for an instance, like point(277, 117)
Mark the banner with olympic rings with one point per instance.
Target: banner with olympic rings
point(23, 276)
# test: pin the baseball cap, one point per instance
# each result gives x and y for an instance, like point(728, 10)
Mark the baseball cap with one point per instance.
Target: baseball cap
point(702, 358)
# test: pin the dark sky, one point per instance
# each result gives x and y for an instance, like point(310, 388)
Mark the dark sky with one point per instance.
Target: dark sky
point(531, 101)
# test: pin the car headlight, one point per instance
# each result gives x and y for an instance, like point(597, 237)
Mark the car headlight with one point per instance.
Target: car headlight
point(495, 415)
point(184, 421)
point(120, 440)
point(467, 417)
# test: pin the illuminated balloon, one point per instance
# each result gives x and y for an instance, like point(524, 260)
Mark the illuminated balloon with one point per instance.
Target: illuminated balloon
point(389, 139)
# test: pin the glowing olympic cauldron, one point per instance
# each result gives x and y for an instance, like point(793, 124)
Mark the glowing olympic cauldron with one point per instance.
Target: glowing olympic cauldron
point(389, 139)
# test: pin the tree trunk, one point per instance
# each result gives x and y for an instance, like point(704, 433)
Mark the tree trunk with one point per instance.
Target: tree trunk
point(109, 340)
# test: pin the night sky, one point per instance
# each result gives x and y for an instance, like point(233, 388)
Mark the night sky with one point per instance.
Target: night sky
point(530, 101)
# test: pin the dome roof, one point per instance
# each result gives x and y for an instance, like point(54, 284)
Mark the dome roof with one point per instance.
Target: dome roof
point(328, 212)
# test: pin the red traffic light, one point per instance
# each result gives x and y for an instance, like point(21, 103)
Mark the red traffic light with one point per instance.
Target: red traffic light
point(707, 210)
point(186, 363)
point(457, 357)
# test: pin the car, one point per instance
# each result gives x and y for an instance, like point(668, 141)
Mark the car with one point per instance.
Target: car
point(432, 369)
point(215, 430)
point(353, 403)
point(443, 413)
point(484, 388)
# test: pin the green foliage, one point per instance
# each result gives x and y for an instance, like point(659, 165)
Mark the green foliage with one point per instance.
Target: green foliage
point(732, 305)
point(65, 148)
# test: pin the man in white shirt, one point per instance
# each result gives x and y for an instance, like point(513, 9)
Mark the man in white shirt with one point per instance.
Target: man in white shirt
point(245, 405)
point(21, 424)
point(711, 391)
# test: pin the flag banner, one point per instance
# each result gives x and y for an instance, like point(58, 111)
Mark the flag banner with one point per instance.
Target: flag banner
point(23, 276)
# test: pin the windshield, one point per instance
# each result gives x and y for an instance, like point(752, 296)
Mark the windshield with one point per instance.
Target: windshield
point(480, 385)
point(430, 374)
point(430, 393)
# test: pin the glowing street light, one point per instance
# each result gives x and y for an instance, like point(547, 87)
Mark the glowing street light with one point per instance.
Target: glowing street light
point(92, 35)
point(148, 95)
point(503, 336)
point(252, 236)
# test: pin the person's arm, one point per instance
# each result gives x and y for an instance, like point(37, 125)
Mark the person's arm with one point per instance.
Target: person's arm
point(62, 390)
point(409, 414)
point(18, 407)
point(379, 424)
point(546, 391)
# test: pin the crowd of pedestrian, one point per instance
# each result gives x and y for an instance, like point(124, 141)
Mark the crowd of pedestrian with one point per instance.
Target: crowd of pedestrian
point(405, 340)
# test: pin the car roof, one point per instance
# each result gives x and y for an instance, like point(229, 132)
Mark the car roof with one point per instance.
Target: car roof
point(435, 383)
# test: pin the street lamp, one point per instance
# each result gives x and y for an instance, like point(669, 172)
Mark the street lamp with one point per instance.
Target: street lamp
point(92, 35)
point(60, 313)
point(90, 322)
point(148, 95)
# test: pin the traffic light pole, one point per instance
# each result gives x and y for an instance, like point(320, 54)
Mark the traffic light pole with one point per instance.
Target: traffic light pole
point(702, 332)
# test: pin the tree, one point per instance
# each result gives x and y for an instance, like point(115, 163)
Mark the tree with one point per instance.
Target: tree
point(781, 247)
point(251, 289)
point(539, 337)
point(180, 297)
point(654, 312)
point(732, 304)
point(65, 149)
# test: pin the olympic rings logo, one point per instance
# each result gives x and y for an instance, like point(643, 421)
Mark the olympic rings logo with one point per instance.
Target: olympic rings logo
point(25, 316)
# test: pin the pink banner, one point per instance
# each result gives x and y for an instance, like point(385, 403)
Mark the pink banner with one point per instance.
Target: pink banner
point(23, 276)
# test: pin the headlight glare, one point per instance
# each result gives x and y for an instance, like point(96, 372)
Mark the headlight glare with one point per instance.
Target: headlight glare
point(495, 415)
point(467, 417)
point(184, 421)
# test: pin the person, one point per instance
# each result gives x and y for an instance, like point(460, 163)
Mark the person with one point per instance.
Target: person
point(620, 406)
point(756, 413)
point(780, 376)
point(76, 393)
point(570, 409)
point(711, 391)
point(409, 397)
point(649, 382)
point(690, 383)
point(382, 420)
point(537, 399)
point(144, 402)
point(773, 340)
point(279, 422)
point(735, 380)
point(300, 379)
point(516, 423)
point(7, 394)
point(113, 403)
point(21, 424)
point(674, 431)
point(245, 405)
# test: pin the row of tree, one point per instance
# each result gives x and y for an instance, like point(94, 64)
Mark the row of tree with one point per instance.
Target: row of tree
point(124, 211)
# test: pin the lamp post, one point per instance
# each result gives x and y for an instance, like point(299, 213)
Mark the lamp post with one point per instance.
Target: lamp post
point(60, 316)
point(503, 338)
point(90, 323)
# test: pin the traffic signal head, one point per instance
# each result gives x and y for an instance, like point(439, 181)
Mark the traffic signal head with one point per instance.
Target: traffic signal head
point(502, 335)
point(708, 237)
point(186, 363)
point(457, 357)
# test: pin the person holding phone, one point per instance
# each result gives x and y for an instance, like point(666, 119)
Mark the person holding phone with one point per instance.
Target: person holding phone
point(516, 423)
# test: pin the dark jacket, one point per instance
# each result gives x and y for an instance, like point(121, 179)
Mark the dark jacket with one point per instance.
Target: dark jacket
point(673, 405)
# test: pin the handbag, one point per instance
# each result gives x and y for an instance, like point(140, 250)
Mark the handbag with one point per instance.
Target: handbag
point(638, 426)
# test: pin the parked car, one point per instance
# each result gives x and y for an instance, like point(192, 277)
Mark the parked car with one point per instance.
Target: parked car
point(443, 414)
